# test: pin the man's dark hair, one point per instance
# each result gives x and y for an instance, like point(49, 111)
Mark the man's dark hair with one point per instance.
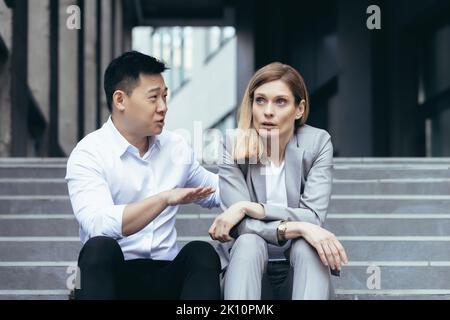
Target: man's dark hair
point(123, 73)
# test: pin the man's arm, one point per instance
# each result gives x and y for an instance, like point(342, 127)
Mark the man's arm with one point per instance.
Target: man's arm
point(137, 216)
point(94, 207)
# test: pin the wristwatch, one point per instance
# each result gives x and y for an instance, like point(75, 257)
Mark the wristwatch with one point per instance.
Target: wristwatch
point(282, 231)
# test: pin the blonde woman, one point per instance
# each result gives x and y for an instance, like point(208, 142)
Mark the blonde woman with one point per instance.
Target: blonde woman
point(275, 185)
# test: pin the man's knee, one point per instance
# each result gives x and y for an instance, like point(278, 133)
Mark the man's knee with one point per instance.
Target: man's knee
point(202, 255)
point(250, 247)
point(100, 250)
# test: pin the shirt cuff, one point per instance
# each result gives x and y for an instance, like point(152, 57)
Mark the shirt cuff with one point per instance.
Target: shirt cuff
point(112, 222)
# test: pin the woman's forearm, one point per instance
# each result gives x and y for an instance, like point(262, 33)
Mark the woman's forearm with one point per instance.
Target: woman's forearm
point(252, 209)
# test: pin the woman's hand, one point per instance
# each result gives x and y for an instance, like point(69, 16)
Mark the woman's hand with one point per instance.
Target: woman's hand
point(330, 250)
point(220, 229)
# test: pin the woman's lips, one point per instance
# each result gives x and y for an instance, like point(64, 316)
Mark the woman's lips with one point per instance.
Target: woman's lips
point(268, 125)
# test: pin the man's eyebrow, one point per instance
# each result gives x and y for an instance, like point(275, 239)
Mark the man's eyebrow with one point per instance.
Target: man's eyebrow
point(157, 90)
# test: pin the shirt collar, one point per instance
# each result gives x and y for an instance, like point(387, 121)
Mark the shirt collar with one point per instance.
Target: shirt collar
point(121, 145)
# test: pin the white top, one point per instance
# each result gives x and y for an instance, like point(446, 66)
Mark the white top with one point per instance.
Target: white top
point(105, 173)
point(276, 194)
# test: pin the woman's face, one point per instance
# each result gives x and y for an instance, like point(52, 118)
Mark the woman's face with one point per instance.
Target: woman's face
point(274, 111)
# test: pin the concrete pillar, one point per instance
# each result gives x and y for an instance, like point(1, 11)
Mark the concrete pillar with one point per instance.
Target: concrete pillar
point(245, 32)
point(406, 123)
point(117, 30)
point(5, 79)
point(68, 84)
point(90, 63)
point(19, 88)
point(107, 53)
point(38, 55)
point(355, 80)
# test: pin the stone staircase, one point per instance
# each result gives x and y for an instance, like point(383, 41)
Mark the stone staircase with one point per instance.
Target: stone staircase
point(392, 215)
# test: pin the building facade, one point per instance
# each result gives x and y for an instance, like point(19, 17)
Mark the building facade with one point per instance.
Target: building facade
point(382, 91)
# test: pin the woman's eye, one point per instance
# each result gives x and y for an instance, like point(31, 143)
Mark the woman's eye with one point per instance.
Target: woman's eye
point(153, 98)
point(259, 101)
point(281, 102)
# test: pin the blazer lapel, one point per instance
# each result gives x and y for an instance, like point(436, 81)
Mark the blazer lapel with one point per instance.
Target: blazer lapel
point(259, 182)
point(293, 167)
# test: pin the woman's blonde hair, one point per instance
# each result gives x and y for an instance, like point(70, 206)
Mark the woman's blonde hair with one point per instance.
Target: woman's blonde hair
point(249, 145)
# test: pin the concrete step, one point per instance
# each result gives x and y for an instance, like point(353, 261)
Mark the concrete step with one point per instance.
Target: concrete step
point(35, 278)
point(399, 249)
point(341, 170)
point(418, 294)
point(369, 204)
point(198, 225)
point(34, 294)
point(33, 187)
point(389, 204)
point(389, 227)
point(392, 186)
point(354, 278)
point(338, 204)
point(344, 227)
point(395, 277)
point(48, 186)
point(346, 160)
point(338, 160)
point(358, 248)
point(43, 227)
point(25, 161)
point(35, 204)
point(33, 171)
point(366, 173)
point(393, 160)
point(58, 249)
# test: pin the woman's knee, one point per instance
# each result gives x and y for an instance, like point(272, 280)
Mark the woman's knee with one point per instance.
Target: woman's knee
point(250, 247)
point(100, 250)
point(302, 250)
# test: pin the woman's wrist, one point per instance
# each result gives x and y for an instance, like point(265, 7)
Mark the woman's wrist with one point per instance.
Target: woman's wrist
point(251, 209)
point(295, 229)
point(240, 207)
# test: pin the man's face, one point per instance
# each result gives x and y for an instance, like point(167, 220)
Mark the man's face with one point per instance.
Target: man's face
point(146, 107)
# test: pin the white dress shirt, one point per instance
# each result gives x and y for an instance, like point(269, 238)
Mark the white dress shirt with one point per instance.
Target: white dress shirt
point(105, 173)
point(276, 194)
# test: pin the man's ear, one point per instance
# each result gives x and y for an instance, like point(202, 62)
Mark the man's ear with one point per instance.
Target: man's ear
point(119, 99)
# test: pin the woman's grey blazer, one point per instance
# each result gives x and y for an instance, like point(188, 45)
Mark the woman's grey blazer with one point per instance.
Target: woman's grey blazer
point(308, 165)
